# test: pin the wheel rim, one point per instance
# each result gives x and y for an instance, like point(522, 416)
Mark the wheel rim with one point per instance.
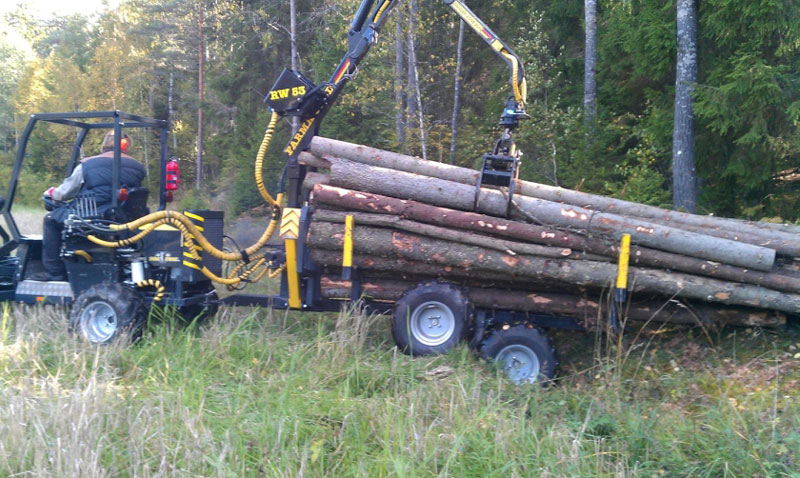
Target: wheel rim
point(432, 323)
point(99, 322)
point(520, 363)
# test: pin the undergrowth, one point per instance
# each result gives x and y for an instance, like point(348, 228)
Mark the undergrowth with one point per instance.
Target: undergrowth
point(268, 393)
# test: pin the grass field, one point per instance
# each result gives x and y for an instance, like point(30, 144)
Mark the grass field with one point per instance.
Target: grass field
point(264, 393)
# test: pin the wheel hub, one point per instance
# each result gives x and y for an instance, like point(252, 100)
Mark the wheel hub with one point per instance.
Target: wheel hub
point(432, 323)
point(98, 322)
point(520, 363)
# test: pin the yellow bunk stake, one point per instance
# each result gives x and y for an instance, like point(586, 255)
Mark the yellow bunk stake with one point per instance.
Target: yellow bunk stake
point(621, 290)
point(347, 253)
point(624, 257)
point(289, 232)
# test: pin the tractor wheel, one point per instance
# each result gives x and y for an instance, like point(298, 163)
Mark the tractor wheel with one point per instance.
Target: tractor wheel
point(524, 353)
point(106, 312)
point(431, 319)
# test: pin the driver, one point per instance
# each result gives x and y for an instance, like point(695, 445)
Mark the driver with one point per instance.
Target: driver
point(92, 175)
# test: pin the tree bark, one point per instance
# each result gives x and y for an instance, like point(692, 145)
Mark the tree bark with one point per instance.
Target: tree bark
point(460, 196)
point(456, 92)
point(780, 237)
point(684, 180)
point(453, 235)
point(589, 65)
point(587, 311)
point(399, 268)
point(413, 76)
point(324, 195)
point(383, 242)
point(399, 87)
point(293, 48)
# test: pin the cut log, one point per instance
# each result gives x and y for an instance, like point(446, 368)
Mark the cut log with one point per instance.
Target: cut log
point(459, 196)
point(584, 310)
point(395, 222)
point(400, 268)
point(453, 219)
point(382, 242)
point(469, 221)
point(785, 234)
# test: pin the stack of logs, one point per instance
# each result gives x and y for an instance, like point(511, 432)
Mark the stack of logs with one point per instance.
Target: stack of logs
point(555, 252)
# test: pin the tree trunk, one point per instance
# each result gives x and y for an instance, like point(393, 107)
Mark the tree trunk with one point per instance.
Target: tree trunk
point(456, 92)
point(399, 85)
point(684, 180)
point(586, 311)
point(460, 196)
point(293, 47)
point(468, 221)
point(200, 98)
point(782, 238)
point(413, 77)
point(589, 65)
point(382, 242)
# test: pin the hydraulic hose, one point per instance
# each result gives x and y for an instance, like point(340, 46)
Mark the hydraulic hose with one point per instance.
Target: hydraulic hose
point(520, 88)
point(194, 239)
point(262, 151)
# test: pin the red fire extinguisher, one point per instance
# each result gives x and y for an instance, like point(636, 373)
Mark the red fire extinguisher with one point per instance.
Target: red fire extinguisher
point(173, 177)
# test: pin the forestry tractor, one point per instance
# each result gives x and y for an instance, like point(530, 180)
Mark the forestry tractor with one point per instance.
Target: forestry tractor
point(122, 261)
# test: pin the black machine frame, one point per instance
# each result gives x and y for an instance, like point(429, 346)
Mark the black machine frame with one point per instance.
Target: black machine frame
point(116, 120)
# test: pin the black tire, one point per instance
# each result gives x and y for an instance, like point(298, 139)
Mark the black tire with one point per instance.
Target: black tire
point(106, 312)
point(431, 319)
point(525, 354)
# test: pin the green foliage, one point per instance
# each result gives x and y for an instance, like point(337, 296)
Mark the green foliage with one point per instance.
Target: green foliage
point(143, 56)
point(264, 393)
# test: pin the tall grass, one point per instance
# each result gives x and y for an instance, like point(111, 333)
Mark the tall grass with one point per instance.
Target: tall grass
point(266, 393)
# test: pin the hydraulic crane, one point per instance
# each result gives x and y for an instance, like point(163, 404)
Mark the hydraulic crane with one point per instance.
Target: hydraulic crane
point(293, 94)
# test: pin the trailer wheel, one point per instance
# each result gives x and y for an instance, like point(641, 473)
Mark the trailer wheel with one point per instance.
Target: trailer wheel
point(106, 312)
point(430, 319)
point(524, 353)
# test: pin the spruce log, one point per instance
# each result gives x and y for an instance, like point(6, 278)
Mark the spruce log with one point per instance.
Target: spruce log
point(583, 309)
point(416, 211)
point(785, 234)
point(439, 192)
point(450, 218)
point(400, 268)
point(395, 222)
point(382, 242)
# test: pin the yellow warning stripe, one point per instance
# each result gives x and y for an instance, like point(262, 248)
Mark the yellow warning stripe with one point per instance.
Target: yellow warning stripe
point(194, 216)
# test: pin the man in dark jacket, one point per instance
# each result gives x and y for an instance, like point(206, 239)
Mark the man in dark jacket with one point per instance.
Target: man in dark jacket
point(92, 175)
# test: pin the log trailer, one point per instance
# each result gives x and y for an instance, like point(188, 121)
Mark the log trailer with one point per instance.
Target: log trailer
point(121, 262)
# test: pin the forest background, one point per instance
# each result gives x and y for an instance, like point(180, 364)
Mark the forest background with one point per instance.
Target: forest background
point(206, 65)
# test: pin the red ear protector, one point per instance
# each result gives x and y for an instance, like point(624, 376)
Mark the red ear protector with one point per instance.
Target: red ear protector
point(123, 144)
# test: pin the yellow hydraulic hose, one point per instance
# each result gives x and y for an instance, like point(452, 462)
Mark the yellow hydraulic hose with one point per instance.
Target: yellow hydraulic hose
point(262, 151)
point(520, 88)
point(194, 239)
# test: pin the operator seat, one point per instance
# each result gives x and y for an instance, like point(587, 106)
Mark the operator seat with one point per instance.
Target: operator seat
point(135, 205)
